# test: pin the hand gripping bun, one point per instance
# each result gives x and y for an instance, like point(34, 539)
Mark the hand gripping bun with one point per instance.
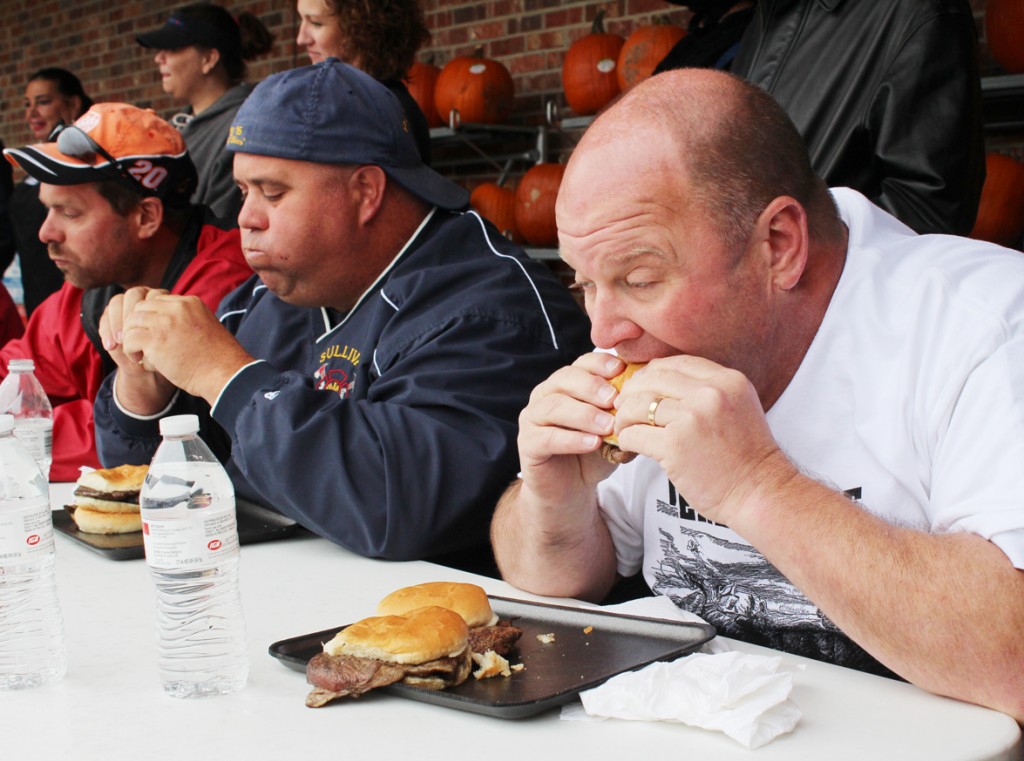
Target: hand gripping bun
point(468, 600)
point(422, 635)
point(610, 448)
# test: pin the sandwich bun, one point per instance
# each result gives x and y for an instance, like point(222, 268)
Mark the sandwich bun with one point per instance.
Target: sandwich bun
point(98, 522)
point(419, 636)
point(123, 478)
point(468, 600)
point(610, 448)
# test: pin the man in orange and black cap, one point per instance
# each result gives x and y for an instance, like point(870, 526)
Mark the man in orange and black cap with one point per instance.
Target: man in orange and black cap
point(117, 185)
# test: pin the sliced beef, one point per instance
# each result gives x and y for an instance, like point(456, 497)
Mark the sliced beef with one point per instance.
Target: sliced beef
point(131, 495)
point(338, 676)
point(500, 638)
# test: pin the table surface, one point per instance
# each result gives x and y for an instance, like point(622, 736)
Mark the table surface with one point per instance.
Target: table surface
point(111, 706)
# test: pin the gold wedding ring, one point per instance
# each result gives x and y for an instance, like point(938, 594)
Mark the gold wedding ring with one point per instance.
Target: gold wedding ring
point(652, 410)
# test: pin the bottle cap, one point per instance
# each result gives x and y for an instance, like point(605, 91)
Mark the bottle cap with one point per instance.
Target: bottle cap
point(179, 425)
point(6, 423)
point(21, 364)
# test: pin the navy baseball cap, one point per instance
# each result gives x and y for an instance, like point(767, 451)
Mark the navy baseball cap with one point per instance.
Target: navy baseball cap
point(333, 113)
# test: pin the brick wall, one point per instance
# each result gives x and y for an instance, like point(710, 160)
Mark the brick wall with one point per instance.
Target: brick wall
point(95, 38)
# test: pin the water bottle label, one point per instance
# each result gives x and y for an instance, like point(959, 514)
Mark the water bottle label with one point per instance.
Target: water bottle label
point(202, 541)
point(26, 533)
point(37, 437)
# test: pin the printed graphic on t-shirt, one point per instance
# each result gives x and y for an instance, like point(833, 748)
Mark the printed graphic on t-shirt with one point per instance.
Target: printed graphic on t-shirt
point(708, 569)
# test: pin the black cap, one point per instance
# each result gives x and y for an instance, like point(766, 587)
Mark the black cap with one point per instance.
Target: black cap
point(203, 24)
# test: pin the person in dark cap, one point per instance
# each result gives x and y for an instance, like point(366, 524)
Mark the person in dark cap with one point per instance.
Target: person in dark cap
point(201, 52)
point(117, 185)
point(369, 377)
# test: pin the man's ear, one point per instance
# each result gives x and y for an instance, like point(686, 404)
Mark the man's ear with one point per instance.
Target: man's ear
point(782, 226)
point(150, 215)
point(368, 183)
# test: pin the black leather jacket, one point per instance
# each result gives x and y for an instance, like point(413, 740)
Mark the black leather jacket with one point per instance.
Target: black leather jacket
point(887, 96)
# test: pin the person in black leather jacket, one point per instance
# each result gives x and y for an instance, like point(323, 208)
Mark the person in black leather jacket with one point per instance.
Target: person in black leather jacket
point(886, 95)
point(712, 36)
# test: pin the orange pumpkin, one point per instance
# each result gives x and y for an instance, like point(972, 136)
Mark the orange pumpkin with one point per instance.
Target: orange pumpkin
point(535, 204)
point(497, 205)
point(1004, 29)
point(421, 79)
point(643, 50)
point(589, 76)
point(479, 88)
point(1001, 209)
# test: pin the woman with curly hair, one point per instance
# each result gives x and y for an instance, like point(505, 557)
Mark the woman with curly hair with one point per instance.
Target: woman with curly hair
point(380, 37)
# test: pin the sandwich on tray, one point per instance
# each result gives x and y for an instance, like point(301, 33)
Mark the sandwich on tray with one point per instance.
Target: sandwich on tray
point(610, 448)
point(427, 648)
point(107, 500)
point(427, 635)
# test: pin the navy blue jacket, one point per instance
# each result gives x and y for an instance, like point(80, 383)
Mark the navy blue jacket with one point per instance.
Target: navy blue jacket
point(390, 430)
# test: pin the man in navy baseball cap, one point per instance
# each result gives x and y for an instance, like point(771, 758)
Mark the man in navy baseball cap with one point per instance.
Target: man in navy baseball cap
point(333, 113)
point(370, 375)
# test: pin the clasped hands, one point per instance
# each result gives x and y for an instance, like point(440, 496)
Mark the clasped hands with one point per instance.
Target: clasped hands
point(160, 342)
point(710, 435)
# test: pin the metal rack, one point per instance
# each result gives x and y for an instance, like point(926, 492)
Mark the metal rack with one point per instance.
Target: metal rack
point(476, 136)
point(1002, 100)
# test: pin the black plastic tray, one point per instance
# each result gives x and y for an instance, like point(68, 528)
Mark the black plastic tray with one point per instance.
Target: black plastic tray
point(589, 648)
point(255, 524)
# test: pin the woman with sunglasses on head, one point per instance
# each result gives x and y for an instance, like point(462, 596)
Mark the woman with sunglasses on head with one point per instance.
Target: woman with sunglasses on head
point(201, 52)
point(380, 37)
point(53, 97)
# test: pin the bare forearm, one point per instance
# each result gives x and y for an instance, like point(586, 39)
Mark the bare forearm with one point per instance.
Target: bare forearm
point(563, 551)
point(903, 595)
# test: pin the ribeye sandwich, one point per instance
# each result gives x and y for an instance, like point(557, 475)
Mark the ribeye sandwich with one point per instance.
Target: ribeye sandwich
point(427, 648)
point(486, 632)
point(610, 448)
point(107, 500)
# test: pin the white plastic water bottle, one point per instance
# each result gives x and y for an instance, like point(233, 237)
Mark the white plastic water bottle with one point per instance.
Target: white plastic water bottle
point(31, 628)
point(22, 396)
point(191, 539)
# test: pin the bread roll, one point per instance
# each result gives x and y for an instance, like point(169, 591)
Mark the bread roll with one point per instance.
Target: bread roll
point(421, 635)
point(468, 600)
point(97, 522)
point(610, 449)
point(123, 478)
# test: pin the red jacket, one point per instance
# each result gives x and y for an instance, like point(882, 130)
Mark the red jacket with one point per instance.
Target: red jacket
point(70, 367)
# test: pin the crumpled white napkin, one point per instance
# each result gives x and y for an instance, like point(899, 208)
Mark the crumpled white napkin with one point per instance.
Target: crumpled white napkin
point(745, 696)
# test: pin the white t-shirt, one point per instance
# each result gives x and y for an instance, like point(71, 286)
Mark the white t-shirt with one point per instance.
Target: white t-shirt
point(910, 399)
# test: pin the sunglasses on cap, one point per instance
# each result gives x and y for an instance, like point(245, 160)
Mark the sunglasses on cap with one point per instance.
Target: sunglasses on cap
point(74, 142)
